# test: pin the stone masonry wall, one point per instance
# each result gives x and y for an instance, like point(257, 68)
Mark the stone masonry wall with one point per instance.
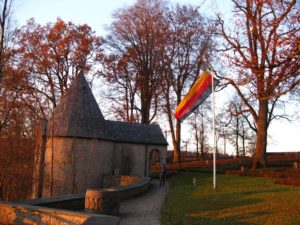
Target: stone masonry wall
point(11, 214)
point(78, 164)
point(132, 154)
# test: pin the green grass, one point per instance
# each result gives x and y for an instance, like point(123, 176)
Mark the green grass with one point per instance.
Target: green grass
point(237, 200)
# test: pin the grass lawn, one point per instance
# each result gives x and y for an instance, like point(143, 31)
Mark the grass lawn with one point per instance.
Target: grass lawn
point(237, 200)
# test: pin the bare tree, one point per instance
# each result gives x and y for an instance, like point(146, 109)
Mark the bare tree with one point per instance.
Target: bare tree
point(124, 93)
point(5, 53)
point(135, 42)
point(263, 54)
point(5, 29)
point(239, 133)
point(155, 54)
point(235, 121)
point(199, 122)
point(188, 51)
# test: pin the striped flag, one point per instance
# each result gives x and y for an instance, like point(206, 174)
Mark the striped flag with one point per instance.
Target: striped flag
point(196, 95)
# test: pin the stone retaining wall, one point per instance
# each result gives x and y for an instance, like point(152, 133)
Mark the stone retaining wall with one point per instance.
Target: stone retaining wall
point(11, 213)
point(68, 202)
point(107, 200)
point(35, 211)
point(112, 181)
point(134, 189)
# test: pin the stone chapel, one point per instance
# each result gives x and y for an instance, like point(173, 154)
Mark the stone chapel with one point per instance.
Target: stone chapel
point(77, 147)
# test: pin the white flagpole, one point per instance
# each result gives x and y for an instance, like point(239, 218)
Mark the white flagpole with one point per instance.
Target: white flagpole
point(214, 133)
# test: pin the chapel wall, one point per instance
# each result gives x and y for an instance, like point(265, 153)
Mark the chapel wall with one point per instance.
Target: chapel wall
point(78, 163)
point(130, 159)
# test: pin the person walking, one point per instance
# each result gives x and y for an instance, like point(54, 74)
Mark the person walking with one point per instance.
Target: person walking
point(162, 174)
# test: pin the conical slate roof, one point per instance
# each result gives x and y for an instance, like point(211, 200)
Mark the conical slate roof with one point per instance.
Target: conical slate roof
point(78, 114)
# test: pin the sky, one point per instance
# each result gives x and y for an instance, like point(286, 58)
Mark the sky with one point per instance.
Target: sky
point(284, 136)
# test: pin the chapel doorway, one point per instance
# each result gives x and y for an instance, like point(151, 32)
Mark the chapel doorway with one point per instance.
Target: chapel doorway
point(154, 163)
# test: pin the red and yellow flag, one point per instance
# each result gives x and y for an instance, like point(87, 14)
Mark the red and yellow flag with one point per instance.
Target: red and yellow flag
point(196, 95)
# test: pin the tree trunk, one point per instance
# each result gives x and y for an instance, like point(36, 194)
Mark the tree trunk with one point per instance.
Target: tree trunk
point(261, 136)
point(177, 155)
point(174, 133)
point(145, 107)
point(4, 19)
point(197, 144)
point(237, 137)
point(243, 140)
point(202, 138)
point(145, 97)
point(224, 135)
point(39, 159)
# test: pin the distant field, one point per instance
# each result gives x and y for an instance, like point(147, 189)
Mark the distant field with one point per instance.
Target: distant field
point(238, 200)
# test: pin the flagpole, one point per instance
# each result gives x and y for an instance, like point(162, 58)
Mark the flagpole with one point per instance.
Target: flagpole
point(214, 133)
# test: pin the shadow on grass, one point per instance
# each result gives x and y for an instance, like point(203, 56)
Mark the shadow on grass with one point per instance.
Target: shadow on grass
point(222, 204)
point(240, 202)
point(218, 211)
point(248, 194)
point(229, 220)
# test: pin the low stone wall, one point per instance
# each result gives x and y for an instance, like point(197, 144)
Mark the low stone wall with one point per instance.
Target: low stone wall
point(35, 211)
point(107, 200)
point(128, 186)
point(12, 213)
point(134, 189)
point(126, 180)
point(68, 202)
point(112, 181)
